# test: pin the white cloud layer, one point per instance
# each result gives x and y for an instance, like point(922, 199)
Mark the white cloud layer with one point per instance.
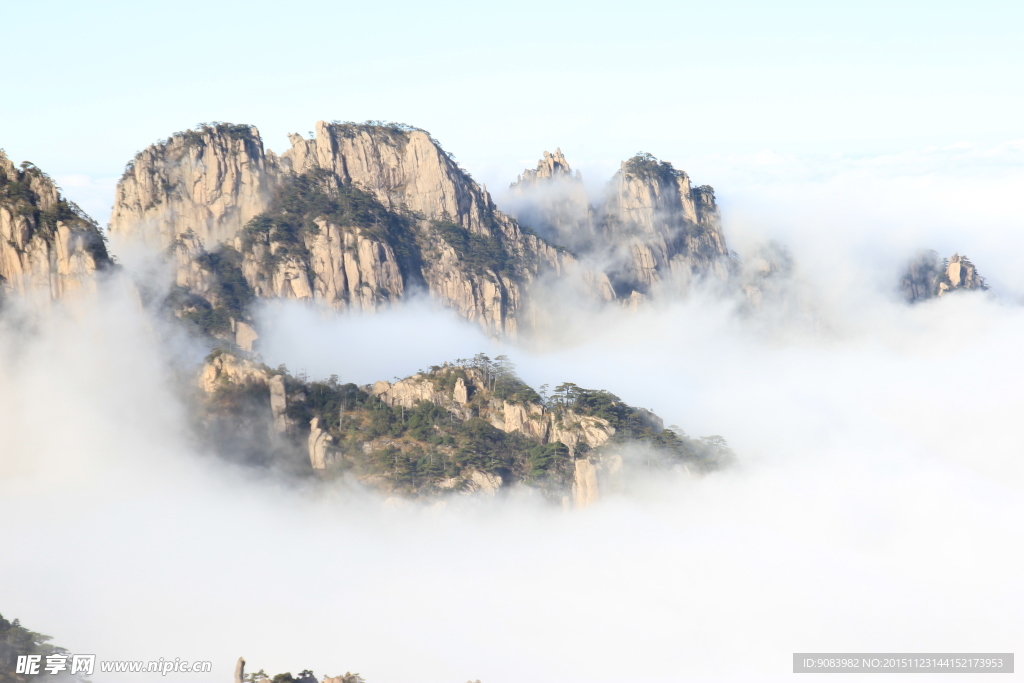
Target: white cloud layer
point(876, 506)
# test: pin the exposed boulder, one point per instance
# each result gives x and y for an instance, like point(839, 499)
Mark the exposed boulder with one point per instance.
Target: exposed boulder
point(224, 368)
point(320, 452)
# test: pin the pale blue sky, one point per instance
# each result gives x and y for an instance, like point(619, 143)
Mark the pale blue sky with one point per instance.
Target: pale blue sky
point(86, 85)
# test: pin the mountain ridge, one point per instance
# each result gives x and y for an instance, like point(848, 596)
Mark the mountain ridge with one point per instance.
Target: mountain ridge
point(49, 247)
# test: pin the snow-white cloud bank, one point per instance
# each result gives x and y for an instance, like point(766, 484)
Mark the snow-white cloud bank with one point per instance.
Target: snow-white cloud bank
point(876, 504)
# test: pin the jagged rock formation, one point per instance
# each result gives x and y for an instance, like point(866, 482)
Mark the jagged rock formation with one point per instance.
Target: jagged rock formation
point(651, 231)
point(927, 277)
point(551, 166)
point(553, 201)
point(356, 217)
point(466, 427)
point(670, 230)
point(48, 246)
point(961, 274)
point(209, 181)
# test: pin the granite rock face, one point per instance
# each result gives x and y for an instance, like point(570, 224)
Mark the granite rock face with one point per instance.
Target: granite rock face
point(470, 256)
point(226, 368)
point(210, 181)
point(961, 274)
point(651, 232)
point(669, 229)
point(320, 451)
point(342, 267)
point(358, 216)
point(48, 246)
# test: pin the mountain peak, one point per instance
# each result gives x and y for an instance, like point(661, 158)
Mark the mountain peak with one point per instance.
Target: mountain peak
point(550, 167)
point(47, 243)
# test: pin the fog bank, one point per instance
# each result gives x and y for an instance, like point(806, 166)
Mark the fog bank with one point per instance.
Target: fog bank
point(876, 504)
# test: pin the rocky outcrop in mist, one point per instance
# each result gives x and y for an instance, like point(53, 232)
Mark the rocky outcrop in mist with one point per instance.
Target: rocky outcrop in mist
point(356, 217)
point(48, 246)
point(473, 426)
point(928, 277)
point(651, 232)
point(552, 200)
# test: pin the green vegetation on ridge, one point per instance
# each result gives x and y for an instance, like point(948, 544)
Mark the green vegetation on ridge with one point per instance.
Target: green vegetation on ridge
point(18, 194)
point(303, 199)
point(429, 447)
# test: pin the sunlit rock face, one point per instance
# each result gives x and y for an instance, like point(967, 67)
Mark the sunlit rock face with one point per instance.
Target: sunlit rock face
point(472, 257)
point(927, 277)
point(358, 216)
point(650, 233)
point(402, 168)
point(210, 182)
point(671, 230)
point(48, 246)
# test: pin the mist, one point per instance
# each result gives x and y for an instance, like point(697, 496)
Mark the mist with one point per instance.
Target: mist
point(875, 504)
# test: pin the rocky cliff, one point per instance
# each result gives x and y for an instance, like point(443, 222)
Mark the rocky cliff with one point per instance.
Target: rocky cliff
point(358, 216)
point(651, 230)
point(470, 426)
point(48, 246)
point(210, 182)
point(928, 277)
point(670, 230)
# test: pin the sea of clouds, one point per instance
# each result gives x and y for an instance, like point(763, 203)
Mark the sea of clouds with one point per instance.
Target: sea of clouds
point(876, 503)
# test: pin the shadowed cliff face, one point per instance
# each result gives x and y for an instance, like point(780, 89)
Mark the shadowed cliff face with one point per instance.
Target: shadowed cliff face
point(48, 246)
point(356, 217)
